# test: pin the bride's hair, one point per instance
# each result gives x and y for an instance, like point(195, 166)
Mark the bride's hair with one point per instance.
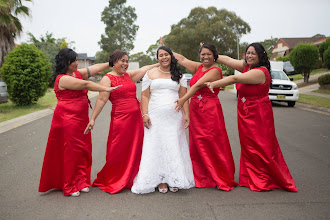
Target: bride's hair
point(175, 70)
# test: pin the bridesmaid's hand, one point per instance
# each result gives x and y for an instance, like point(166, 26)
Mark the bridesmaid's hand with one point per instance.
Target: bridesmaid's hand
point(90, 126)
point(111, 89)
point(161, 41)
point(210, 85)
point(186, 121)
point(179, 105)
point(146, 121)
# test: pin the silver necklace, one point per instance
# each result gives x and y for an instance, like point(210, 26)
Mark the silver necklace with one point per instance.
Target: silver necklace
point(162, 70)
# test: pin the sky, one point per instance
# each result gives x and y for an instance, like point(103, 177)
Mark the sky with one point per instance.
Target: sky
point(80, 20)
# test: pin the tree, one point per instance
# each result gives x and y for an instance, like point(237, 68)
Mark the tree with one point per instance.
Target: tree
point(269, 45)
point(142, 58)
point(26, 72)
point(63, 45)
point(10, 25)
point(323, 47)
point(120, 29)
point(219, 27)
point(304, 58)
point(326, 58)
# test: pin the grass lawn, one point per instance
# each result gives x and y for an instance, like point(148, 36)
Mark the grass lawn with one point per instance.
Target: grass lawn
point(316, 71)
point(314, 100)
point(325, 91)
point(9, 110)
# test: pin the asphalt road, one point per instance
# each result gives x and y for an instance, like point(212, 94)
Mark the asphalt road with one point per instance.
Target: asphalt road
point(303, 136)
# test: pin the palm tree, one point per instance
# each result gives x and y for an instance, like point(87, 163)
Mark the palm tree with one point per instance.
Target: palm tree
point(10, 25)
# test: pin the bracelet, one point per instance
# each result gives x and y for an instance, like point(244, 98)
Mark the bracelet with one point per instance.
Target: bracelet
point(145, 115)
point(88, 72)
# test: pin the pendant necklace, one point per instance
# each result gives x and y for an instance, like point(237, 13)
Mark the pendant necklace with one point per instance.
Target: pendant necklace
point(162, 70)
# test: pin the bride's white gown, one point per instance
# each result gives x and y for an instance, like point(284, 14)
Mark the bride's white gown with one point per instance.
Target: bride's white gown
point(165, 153)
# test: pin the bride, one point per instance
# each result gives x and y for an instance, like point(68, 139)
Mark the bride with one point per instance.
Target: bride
point(165, 160)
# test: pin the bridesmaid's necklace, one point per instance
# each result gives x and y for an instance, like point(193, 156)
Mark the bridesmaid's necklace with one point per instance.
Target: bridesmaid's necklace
point(162, 70)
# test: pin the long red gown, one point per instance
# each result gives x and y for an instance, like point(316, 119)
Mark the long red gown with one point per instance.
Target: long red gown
point(210, 151)
point(68, 157)
point(262, 164)
point(124, 147)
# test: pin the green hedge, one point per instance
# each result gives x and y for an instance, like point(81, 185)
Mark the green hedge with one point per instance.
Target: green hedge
point(324, 79)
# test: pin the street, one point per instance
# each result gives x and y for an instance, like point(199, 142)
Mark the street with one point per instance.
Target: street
point(303, 136)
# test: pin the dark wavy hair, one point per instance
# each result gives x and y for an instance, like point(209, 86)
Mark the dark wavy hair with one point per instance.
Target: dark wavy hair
point(176, 74)
point(63, 59)
point(212, 48)
point(262, 55)
point(115, 56)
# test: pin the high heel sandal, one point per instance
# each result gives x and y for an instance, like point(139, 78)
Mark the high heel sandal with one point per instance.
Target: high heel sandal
point(162, 190)
point(75, 194)
point(174, 189)
point(85, 190)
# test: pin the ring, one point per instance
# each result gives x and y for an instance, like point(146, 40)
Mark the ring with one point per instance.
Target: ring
point(90, 127)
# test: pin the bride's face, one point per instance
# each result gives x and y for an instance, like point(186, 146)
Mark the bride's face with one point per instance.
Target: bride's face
point(164, 58)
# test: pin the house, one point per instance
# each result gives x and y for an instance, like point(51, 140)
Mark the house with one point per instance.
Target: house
point(85, 61)
point(284, 46)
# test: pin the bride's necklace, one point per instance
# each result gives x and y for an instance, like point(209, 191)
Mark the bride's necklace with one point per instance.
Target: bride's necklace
point(162, 70)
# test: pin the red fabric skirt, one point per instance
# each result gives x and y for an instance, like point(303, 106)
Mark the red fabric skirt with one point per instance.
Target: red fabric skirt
point(210, 151)
point(124, 147)
point(68, 157)
point(262, 164)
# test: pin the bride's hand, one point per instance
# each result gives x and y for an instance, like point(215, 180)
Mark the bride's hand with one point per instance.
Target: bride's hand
point(146, 121)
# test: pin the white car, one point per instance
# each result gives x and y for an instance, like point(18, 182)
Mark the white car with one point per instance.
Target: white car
point(188, 77)
point(283, 89)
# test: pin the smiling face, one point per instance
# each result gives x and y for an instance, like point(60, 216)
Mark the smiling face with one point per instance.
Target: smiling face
point(73, 66)
point(164, 58)
point(121, 65)
point(251, 56)
point(206, 57)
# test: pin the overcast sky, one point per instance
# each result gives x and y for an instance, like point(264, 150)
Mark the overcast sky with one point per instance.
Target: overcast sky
point(80, 20)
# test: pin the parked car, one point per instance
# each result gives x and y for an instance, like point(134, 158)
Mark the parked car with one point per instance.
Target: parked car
point(188, 77)
point(3, 92)
point(283, 89)
point(288, 68)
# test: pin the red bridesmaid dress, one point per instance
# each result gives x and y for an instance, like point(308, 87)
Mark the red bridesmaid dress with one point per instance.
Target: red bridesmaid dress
point(68, 157)
point(210, 151)
point(124, 147)
point(262, 164)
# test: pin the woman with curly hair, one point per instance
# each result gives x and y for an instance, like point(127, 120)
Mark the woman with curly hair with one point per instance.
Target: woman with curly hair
point(262, 164)
point(165, 160)
point(68, 156)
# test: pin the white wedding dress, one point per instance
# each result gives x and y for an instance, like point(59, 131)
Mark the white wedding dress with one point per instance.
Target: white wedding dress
point(165, 153)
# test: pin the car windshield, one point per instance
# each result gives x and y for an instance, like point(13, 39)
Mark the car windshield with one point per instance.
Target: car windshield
point(188, 75)
point(276, 74)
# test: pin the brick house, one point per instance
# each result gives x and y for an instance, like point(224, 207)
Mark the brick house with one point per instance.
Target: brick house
point(284, 46)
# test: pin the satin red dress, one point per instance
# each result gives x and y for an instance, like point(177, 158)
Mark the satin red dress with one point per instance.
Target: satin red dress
point(262, 164)
point(211, 156)
point(68, 157)
point(124, 147)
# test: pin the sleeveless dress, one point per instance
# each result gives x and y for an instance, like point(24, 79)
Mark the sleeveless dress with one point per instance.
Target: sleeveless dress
point(165, 152)
point(210, 151)
point(262, 164)
point(125, 138)
point(68, 157)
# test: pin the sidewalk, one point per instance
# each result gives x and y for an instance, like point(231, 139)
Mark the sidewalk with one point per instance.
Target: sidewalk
point(308, 89)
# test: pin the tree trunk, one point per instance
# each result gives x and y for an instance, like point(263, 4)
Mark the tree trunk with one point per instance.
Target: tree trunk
point(6, 42)
point(306, 77)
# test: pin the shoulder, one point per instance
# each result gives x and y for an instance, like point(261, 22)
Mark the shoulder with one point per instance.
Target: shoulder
point(151, 74)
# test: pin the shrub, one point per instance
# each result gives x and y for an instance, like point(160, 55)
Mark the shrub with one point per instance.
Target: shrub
point(326, 58)
point(323, 47)
point(304, 58)
point(284, 59)
point(324, 79)
point(26, 72)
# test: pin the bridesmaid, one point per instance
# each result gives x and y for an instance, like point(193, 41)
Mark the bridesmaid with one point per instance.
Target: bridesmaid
point(262, 164)
point(125, 138)
point(210, 151)
point(68, 156)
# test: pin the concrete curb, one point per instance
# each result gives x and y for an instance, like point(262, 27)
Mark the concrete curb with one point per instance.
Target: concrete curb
point(16, 122)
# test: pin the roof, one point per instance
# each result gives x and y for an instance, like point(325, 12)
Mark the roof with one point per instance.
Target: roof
point(292, 42)
point(83, 56)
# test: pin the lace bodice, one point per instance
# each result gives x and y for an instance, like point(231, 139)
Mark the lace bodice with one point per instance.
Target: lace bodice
point(127, 91)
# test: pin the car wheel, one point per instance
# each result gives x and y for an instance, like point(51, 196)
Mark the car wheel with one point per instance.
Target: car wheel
point(291, 103)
